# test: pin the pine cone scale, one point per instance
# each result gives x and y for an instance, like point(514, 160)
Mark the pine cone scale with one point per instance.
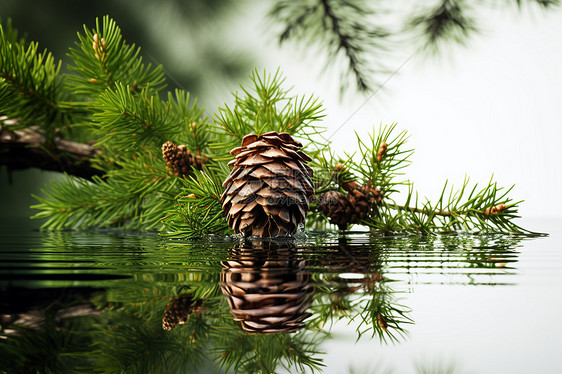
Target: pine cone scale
point(248, 139)
point(261, 172)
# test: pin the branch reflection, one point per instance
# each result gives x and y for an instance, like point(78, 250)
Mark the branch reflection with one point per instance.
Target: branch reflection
point(117, 303)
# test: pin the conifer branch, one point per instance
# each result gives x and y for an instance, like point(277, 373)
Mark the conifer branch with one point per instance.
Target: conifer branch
point(30, 83)
point(266, 106)
point(158, 163)
point(375, 172)
point(27, 148)
point(343, 28)
point(102, 59)
point(350, 30)
point(450, 20)
point(197, 211)
point(345, 43)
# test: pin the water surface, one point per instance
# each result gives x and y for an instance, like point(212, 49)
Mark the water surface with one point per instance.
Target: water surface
point(114, 301)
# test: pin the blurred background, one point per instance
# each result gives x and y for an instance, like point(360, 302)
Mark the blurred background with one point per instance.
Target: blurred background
point(491, 105)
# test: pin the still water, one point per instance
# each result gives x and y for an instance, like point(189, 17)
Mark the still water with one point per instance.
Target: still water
point(113, 301)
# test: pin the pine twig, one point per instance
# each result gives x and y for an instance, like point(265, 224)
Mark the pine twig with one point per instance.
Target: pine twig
point(345, 43)
point(26, 148)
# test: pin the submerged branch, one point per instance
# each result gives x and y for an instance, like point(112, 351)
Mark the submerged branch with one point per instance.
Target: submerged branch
point(26, 148)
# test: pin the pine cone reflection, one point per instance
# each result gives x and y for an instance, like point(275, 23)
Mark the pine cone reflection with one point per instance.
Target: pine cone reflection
point(178, 310)
point(268, 291)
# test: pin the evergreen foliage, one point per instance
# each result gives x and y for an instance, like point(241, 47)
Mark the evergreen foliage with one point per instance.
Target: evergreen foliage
point(117, 100)
point(30, 82)
point(358, 33)
point(198, 208)
point(102, 59)
point(266, 106)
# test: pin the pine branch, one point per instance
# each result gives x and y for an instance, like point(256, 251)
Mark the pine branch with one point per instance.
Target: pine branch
point(345, 42)
point(376, 171)
point(542, 3)
point(382, 159)
point(131, 201)
point(486, 210)
point(197, 211)
point(102, 59)
point(343, 28)
point(27, 148)
point(30, 83)
point(266, 106)
point(350, 30)
point(450, 20)
point(129, 121)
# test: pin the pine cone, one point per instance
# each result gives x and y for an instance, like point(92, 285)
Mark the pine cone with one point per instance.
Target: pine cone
point(268, 292)
point(178, 311)
point(346, 209)
point(268, 191)
point(180, 159)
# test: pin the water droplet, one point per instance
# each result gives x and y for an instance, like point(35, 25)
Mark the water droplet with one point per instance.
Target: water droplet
point(300, 234)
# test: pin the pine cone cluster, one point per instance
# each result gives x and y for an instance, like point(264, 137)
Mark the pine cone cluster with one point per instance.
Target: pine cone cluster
point(351, 207)
point(268, 191)
point(178, 310)
point(180, 159)
point(267, 292)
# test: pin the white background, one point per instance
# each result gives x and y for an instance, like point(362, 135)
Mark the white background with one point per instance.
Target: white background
point(492, 107)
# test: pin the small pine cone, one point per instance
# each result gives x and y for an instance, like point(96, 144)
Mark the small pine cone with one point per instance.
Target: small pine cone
point(268, 191)
point(382, 151)
point(495, 210)
point(335, 205)
point(383, 323)
point(377, 195)
point(346, 209)
point(178, 311)
point(180, 159)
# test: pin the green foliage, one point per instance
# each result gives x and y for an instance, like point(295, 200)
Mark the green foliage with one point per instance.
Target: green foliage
point(131, 201)
point(197, 211)
point(468, 209)
point(130, 122)
point(266, 106)
point(45, 346)
point(102, 59)
point(360, 34)
point(136, 343)
point(449, 20)
point(30, 81)
point(383, 172)
point(116, 99)
point(246, 353)
point(343, 27)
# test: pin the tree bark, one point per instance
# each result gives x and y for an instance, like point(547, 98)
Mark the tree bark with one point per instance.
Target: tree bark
point(26, 148)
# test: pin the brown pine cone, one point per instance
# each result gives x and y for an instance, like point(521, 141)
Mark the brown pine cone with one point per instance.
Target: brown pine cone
point(347, 209)
point(178, 311)
point(268, 191)
point(180, 159)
